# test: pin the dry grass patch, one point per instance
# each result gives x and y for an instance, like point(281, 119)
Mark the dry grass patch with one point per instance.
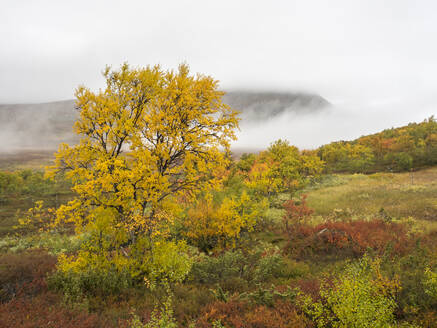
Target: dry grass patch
point(390, 195)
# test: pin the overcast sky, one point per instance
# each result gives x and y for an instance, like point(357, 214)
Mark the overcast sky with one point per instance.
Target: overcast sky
point(355, 53)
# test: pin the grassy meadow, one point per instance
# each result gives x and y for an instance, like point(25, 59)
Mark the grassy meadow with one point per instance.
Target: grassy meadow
point(256, 283)
point(395, 195)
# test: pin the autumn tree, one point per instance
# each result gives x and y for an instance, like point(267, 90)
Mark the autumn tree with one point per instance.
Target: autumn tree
point(343, 156)
point(219, 221)
point(283, 169)
point(149, 137)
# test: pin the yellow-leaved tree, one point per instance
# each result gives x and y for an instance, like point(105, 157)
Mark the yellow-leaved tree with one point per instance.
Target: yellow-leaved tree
point(148, 138)
point(219, 223)
point(283, 169)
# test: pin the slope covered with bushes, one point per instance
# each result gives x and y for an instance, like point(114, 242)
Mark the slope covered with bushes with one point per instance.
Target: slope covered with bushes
point(397, 149)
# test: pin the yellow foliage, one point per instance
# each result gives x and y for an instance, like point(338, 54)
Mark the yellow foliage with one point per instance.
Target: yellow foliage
point(38, 217)
point(148, 139)
point(282, 168)
point(149, 135)
point(360, 297)
point(222, 221)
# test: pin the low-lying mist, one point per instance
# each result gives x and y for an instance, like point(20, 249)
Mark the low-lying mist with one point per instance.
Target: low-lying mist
point(306, 120)
point(36, 126)
point(333, 123)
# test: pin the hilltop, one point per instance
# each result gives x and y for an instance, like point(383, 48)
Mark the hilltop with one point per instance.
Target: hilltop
point(259, 106)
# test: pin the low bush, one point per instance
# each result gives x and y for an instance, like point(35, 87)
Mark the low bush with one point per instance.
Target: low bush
point(295, 214)
point(360, 297)
point(161, 317)
point(430, 283)
point(77, 286)
point(24, 272)
point(416, 271)
point(235, 270)
point(189, 300)
point(144, 266)
point(351, 237)
point(240, 314)
point(269, 296)
point(47, 310)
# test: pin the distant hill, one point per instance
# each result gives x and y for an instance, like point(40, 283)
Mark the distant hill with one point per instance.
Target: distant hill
point(259, 106)
point(44, 126)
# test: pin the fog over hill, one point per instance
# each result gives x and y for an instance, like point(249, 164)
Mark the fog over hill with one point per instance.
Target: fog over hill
point(43, 126)
point(261, 106)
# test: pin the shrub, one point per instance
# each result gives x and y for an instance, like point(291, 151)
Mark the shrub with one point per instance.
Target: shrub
point(24, 272)
point(52, 242)
point(240, 314)
point(399, 161)
point(77, 286)
point(295, 213)
point(163, 318)
point(281, 315)
point(360, 297)
point(160, 318)
point(237, 268)
point(91, 273)
point(218, 220)
point(189, 300)
point(215, 269)
point(46, 310)
point(25, 182)
point(309, 287)
point(431, 283)
point(268, 296)
point(414, 299)
point(356, 237)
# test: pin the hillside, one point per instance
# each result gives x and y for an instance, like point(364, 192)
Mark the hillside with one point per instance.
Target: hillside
point(44, 126)
point(397, 149)
point(259, 106)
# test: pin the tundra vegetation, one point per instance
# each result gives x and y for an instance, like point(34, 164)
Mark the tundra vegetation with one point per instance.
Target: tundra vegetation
point(148, 221)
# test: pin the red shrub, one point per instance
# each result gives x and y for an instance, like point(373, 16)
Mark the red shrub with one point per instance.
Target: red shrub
point(283, 315)
point(355, 237)
point(228, 313)
point(295, 213)
point(239, 314)
point(46, 311)
point(24, 273)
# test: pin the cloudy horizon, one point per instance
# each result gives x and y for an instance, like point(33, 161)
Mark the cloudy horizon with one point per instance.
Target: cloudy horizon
point(373, 60)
